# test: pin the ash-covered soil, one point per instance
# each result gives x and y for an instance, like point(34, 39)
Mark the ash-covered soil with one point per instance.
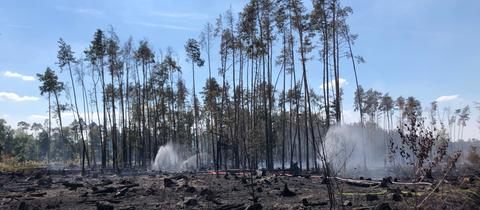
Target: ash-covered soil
point(43, 189)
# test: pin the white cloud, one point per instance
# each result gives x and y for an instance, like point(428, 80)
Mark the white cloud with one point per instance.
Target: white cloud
point(18, 75)
point(15, 97)
point(446, 98)
point(167, 26)
point(37, 117)
point(89, 11)
point(82, 11)
point(331, 84)
point(184, 15)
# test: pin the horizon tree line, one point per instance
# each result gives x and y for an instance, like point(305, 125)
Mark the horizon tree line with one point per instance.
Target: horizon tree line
point(258, 110)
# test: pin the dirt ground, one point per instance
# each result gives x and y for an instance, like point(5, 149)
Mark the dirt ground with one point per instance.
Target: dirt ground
point(44, 189)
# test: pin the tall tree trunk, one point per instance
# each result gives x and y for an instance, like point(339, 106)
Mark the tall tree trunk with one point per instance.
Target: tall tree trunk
point(195, 108)
point(144, 119)
point(49, 125)
point(139, 149)
point(104, 145)
point(95, 82)
point(86, 109)
point(304, 70)
point(270, 101)
point(114, 123)
point(127, 96)
point(235, 100)
point(124, 128)
point(62, 137)
point(336, 70)
point(326, 81)
point(84, 147)
point(284, 107)
point(297, 97)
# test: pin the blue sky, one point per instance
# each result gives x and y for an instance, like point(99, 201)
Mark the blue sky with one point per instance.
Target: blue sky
point(424, 48)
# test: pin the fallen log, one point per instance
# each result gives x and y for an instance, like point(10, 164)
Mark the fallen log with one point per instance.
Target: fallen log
point(13, 196)
point(230, 206)
point(413, 183)
point(105, 182)
point(369, 183)
point(130, 185)
point(72, 185)
point(41, 194)
point(359, 183)
point(105, 190)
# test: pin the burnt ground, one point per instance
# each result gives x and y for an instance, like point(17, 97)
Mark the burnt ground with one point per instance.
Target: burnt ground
point(43, 189)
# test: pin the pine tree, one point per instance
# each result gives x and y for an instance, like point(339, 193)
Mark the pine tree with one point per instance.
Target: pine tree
point(193, 53)
point(65, 58)
point(51, 85)
point(96, 54)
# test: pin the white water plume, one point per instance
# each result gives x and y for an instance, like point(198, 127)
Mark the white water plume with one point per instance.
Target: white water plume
point(191, 162)
point(168, 159)
point(357, 150)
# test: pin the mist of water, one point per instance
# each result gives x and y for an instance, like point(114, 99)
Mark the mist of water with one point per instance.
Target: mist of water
point(355, 150)
point(190, 163)
point(168, 159)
